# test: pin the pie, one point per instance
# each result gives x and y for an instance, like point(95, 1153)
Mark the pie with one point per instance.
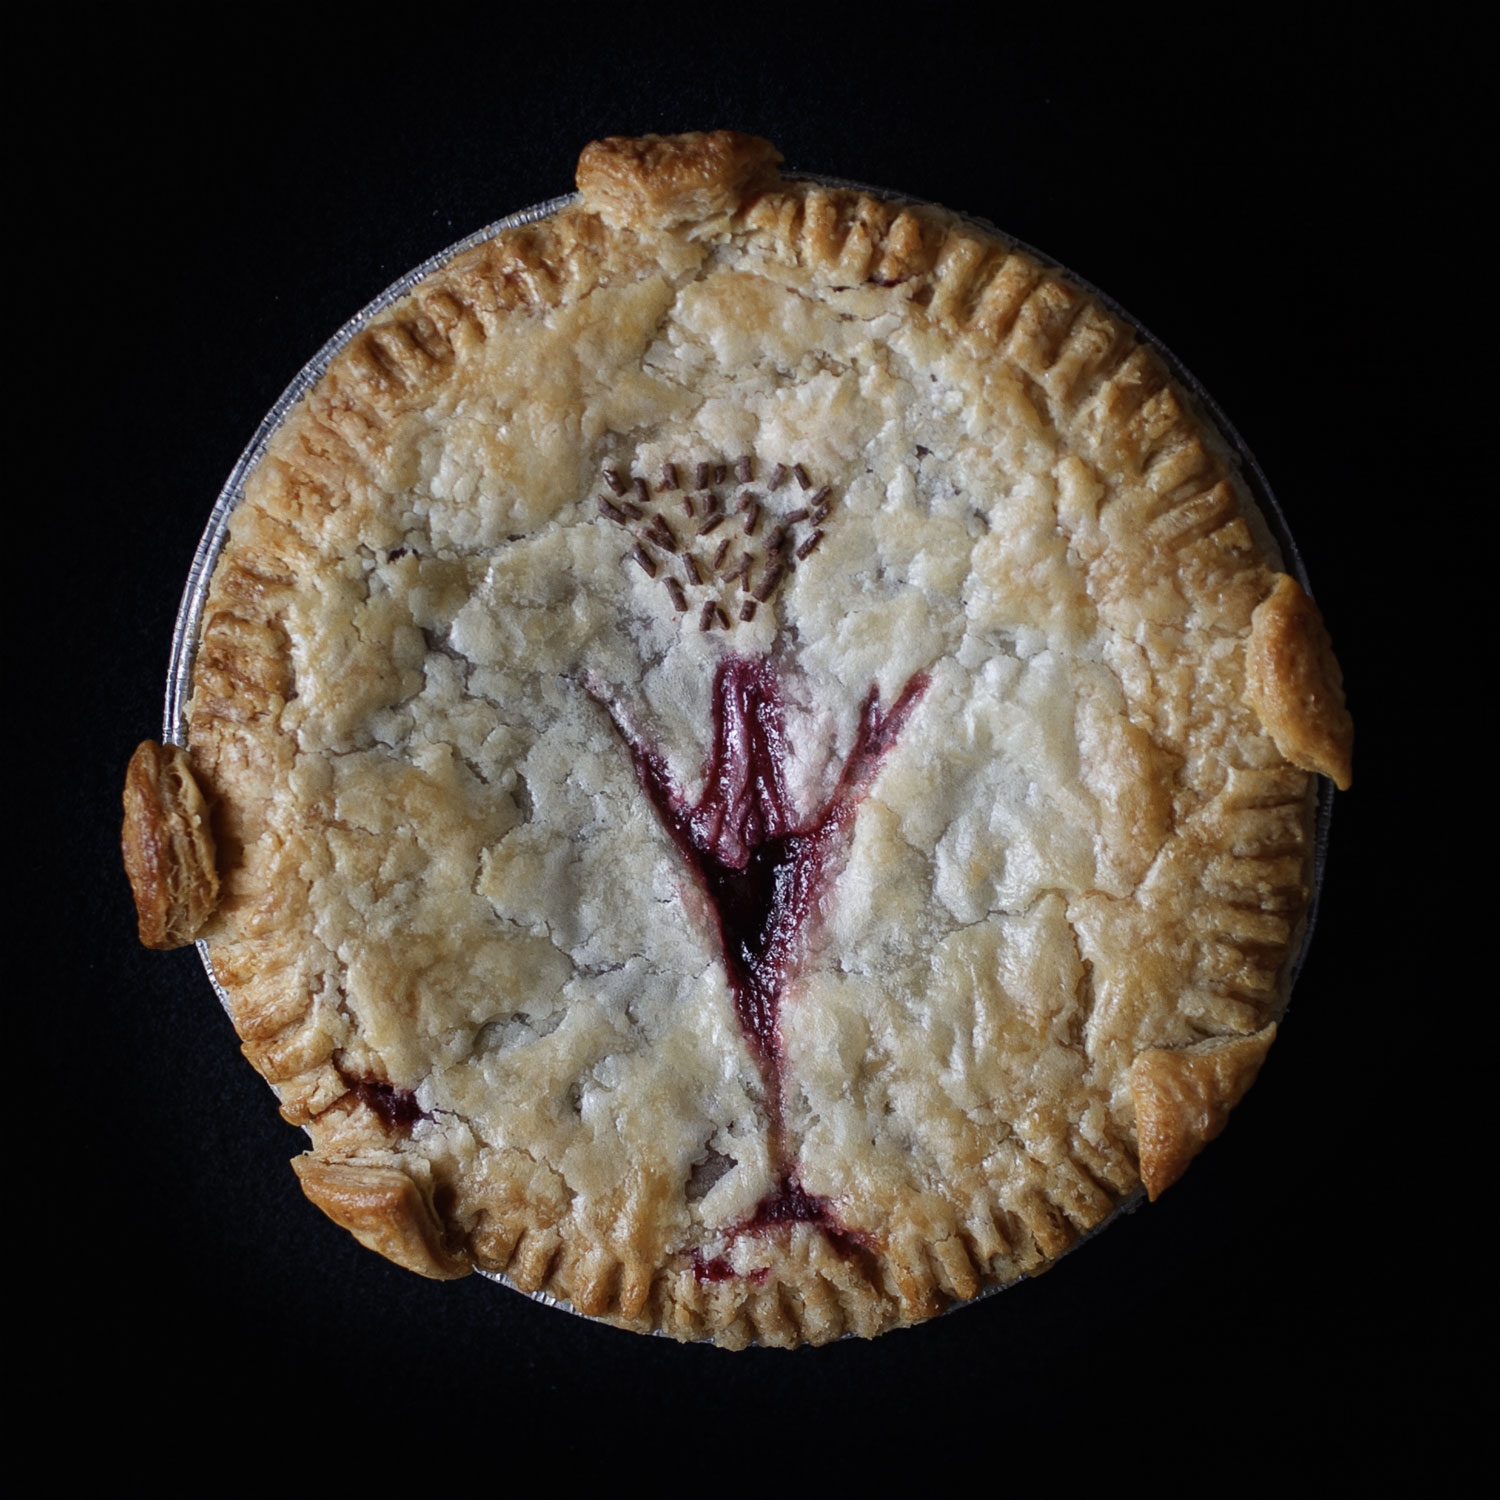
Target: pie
point(750, 762)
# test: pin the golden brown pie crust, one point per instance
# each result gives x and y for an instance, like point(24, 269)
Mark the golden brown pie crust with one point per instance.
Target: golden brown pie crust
point(1183, 1099)
point(1059, 943)
point(1293, 683)
point(168, 846)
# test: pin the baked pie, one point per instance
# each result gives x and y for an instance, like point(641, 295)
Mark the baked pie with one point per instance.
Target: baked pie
point(757, 767)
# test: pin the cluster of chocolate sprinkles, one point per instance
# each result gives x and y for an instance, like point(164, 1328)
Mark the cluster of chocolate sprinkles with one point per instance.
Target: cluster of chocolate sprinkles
point(756, 568)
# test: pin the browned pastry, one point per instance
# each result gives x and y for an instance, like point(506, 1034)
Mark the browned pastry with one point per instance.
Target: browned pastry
point(385, 1210)
point(168, 846)
point(762, 760)
point(1183, 1099)
point(1293, 683)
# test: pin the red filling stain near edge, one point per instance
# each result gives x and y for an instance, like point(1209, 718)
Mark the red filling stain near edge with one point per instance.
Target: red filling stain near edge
point(764, 872)
point(717, 1269)
point(398, 1108)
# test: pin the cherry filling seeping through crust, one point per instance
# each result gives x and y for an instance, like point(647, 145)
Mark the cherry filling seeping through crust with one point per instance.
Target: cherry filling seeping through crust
point(397, 1108)
point(764, 872)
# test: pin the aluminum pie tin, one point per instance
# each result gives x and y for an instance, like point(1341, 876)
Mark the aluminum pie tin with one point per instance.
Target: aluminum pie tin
point(1246, 467)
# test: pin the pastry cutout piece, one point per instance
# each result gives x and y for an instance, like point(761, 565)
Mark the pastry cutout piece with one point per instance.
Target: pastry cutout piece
point(668, 180)
point(729, 709)
point(168, 846)
point(385, 1211)
point(1183, 1099)
point(1293, 681)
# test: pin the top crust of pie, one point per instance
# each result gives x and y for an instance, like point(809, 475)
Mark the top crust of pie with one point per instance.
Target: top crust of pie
point(470, 957)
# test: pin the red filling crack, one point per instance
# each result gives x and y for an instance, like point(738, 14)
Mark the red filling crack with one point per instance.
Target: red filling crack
point(764, 871)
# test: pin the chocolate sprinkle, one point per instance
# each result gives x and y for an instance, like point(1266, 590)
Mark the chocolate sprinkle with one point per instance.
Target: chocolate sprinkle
point(778, 477)
point(810, 544)
point(723, 618)
point(752, 519)
point(793, 517)
point(722, 553)
point(700, 476)
point(678, 598)
point(643, 491)
point(662, 534)
point(668, 477)
point(691, 568)
point(747, 609)
point(712, 524)
point(645, 559)
point(721, 473)
point(818, 496)
point(633, 511)
point(742, 469)
point(706, 619)
point(821, 514)
point(687, 506)
point(613, 480)
point(769, 582)
point(802, 478)
point(613, 512)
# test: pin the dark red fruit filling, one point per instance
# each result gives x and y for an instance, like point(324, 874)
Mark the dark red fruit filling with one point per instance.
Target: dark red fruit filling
point(789, 1204)
point(764, 871)
point(397, 1108)
point(717, 1269)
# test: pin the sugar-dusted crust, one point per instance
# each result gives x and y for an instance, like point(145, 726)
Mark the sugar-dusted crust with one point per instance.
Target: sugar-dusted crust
point(478, 595)
point(168, 846)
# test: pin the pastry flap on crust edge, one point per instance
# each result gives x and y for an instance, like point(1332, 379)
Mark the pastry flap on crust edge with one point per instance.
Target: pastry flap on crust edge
point(1183, 1098)
point(168, 846)
point(1294, 685)
point(385, 1211)
point(674, 179)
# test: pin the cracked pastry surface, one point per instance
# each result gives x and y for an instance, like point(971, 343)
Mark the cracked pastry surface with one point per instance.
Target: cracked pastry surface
point(718, 530)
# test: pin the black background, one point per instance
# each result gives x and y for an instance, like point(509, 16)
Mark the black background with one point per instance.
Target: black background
point(207, 211)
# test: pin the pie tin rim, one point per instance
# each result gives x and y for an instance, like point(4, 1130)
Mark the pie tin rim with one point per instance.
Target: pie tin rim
point(215, 533)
